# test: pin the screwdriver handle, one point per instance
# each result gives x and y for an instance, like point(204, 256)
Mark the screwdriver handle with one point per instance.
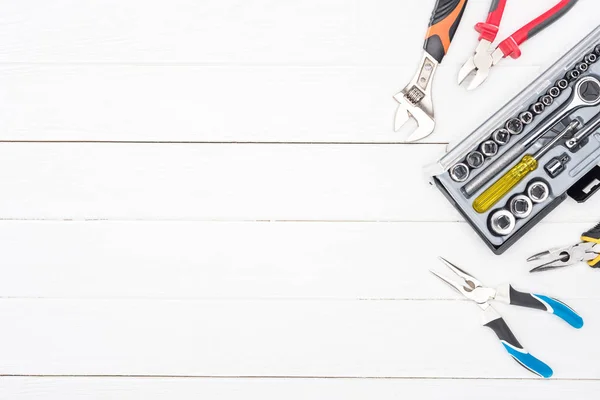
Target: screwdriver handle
point(444, 21)
point(502, 186)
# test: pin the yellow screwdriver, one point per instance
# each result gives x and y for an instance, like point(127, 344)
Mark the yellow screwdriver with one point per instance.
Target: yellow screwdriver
point(516, 174)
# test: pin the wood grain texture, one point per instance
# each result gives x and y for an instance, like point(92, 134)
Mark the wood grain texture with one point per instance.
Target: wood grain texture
point(232, 32)
point(343, 338)
point(95, 388)
point(267, 260)
point(232, 104)
point(206, 199)
point(229, 182)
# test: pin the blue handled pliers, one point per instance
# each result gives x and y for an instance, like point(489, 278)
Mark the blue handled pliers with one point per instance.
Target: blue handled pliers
point(473, 290)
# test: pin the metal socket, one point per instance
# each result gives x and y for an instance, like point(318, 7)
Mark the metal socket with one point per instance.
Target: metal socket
point(547, 100)
point(501, 136)
point(572, 75)
point(590, 58)
point(502, 222)
point(554, 92)
point(460, 172)
point(475, 159)
point(489, 148)
point(562, 84)
point(557, 165)
point(582, 67)
point(538, 191)
point(597, 50)
point(520, 206)
point(514, 126)
point(526, 117)
point(537, 108)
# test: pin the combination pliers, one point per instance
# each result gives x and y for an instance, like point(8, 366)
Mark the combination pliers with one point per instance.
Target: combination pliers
point(588, 250)
point(474, 290)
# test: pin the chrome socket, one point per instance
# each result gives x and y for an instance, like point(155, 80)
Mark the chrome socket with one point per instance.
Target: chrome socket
point(538, 191)
point(502, 222)
point(514, 126)
point(489, 148)
point(475, 159)
point(526, 117)
point(554, 91)
point(460, 172)
point(572, 75)
point(547, 100)
point(521, 206)
point(590, 58)
point(537, 108)
point(501, 136)
point(562, 84)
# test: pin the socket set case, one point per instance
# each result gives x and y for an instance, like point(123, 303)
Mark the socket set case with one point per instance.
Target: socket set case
point(540, 148)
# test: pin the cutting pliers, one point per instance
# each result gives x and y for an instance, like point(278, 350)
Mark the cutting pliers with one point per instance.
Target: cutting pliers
point(588, 250)
point(473, 290)
point(485, 57)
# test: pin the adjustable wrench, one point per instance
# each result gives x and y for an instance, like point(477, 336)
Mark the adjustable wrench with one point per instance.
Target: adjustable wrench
point(415, 99)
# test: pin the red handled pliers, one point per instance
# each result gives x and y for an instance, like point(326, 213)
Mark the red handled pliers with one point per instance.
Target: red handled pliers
point(485, 57)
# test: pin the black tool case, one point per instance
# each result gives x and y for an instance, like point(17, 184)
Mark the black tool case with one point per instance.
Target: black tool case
point(565, 170)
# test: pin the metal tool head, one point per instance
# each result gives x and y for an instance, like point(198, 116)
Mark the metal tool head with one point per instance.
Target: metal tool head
point(466, 284)
point(422, 116)
point(415, 101)
point(478, 66)
point(564, 256)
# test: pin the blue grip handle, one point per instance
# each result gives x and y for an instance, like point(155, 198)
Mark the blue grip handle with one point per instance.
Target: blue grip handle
point(528, 361)
point(562, 310)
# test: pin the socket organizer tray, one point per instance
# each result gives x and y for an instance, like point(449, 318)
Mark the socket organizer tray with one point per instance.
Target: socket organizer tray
point(538, 150)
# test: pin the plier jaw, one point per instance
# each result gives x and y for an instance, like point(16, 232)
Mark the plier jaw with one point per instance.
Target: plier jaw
point(588, 250)
point(467, 285)
point(485, 57)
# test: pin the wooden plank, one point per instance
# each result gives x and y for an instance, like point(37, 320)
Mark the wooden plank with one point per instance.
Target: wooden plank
point(229, 182)
point(268, 261)
point(95, 388)
point(422, 339)
point(262, 32)
point(234, 104)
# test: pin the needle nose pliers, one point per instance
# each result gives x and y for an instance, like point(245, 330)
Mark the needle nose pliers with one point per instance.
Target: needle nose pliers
point(485, 57)
point(474, 290)
point(588, 250)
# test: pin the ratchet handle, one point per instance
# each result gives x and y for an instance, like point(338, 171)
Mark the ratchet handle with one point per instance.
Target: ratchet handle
point(510, 46)
point(489, 29)
point(545, 303)
point(502, 186)
point(512, 345)
point(593, 236)
point(444, 21)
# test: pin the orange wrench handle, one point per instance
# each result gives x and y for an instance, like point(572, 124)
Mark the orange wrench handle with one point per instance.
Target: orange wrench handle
point(444, 21)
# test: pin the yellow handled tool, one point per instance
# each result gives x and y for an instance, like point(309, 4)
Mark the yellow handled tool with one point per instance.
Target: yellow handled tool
point(516, 174)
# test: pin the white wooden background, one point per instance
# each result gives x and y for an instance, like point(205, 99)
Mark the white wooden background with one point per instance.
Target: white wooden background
point(206, 200)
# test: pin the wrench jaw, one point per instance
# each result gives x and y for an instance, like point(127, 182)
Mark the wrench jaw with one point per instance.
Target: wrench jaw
point(415, 101)
point(406, 110)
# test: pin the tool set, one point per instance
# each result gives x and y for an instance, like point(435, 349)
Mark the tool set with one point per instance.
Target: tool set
point(546, 146)
point(474, 290)
point(505, 177)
